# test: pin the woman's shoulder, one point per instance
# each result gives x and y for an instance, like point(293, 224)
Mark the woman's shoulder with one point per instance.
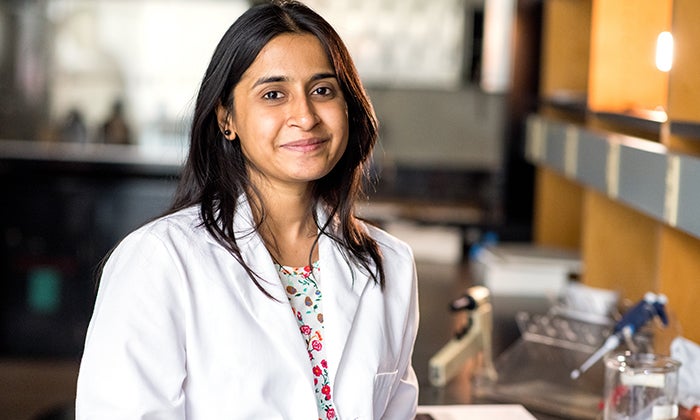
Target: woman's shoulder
point(182, 224)
point(388, 243)
point(160, 242)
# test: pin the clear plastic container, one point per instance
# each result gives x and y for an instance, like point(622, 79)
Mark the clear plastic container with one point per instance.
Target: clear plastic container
point(640, 386)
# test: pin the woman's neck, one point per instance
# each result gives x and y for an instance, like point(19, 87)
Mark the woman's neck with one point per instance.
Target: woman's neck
point(289, 228)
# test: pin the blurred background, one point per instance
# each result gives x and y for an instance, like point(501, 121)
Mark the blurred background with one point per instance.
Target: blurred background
point(95, 105)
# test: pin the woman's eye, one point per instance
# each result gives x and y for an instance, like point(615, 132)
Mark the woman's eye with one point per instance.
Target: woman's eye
point(323, 91)
point(272, 95)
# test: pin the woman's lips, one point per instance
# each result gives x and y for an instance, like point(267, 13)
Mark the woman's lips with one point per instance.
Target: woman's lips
point(305, 145)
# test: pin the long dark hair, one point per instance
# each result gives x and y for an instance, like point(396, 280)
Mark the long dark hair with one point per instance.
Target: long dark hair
point(215, 175)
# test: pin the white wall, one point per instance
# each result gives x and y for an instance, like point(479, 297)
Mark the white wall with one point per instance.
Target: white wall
point(152, 54)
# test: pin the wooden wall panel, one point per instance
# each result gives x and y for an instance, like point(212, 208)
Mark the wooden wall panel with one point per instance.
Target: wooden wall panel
point(565, 46)
point(684, 89)
point(622, 74)
point(679, 278)
point(557, 210)
point(619, 247)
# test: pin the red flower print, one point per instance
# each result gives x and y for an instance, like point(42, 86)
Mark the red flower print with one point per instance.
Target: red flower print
point(317, 371)
point(326, 390)
point(324, 364)
point(305, 329)
point(315, 381)
point(330, 414)
point(316, 345)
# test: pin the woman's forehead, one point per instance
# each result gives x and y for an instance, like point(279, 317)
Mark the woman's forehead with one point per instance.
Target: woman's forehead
point(289, 56)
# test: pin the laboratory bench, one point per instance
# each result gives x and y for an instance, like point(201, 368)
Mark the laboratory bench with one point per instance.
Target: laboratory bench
point(439, 284)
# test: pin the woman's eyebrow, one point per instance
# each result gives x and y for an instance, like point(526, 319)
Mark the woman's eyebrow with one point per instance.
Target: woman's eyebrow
point(321, 76)
point(270, 79)
point(276, 79)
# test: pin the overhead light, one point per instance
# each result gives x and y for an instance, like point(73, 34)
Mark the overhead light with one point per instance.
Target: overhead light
point(664, 51)
point(496, 66)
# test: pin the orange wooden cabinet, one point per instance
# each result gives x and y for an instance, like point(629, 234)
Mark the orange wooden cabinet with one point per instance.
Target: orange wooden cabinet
point(617, 145)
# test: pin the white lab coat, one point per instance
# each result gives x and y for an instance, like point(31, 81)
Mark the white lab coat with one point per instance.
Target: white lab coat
point(179, 331)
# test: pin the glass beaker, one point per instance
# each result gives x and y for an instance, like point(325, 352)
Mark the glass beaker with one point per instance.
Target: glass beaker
point(640, 386)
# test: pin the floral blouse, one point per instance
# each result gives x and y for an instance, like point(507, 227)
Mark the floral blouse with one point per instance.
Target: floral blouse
point(302, 286)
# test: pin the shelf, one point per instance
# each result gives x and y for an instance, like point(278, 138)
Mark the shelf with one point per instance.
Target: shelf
point(641, 179)
point(572, 103)
point(638, 173)
point(152, 161)
point(556, 152)
point(686, 129)
point(645, 121)
point(592, 160)
point(688, 207)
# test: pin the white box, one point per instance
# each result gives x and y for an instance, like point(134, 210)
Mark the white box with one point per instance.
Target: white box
point(525, 269)
point(436, 244)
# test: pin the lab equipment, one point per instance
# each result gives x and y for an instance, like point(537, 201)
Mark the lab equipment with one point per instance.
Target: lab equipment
point(469, 339)
point(640, 386)
point(650, 307)
point(534, 370)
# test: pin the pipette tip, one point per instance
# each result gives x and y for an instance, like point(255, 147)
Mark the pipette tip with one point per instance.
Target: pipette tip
point(575, 374)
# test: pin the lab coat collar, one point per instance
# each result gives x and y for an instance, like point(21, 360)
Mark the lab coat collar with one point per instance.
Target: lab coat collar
point(342, 284)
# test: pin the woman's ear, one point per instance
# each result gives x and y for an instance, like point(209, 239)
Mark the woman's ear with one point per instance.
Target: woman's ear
point(223, 117)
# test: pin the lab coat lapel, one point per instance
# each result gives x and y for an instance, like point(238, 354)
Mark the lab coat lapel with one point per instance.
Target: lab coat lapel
point(274, 316)
point(342, 285)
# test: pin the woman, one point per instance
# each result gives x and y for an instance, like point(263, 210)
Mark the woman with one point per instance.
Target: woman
point(260, 295)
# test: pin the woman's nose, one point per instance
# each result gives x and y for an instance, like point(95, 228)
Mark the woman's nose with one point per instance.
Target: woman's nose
point(303, 114)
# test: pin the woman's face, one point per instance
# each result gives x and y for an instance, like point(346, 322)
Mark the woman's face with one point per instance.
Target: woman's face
point(289, 112)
